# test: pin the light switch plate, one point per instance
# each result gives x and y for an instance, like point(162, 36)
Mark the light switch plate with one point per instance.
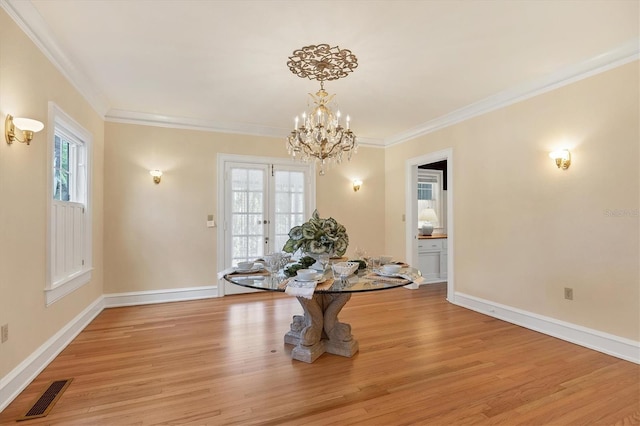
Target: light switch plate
point(4, 333)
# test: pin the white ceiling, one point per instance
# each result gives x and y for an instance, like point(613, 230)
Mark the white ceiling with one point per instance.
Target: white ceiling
point(221, 65)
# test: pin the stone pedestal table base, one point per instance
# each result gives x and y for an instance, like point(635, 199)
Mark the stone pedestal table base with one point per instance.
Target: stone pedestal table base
point(319, 330)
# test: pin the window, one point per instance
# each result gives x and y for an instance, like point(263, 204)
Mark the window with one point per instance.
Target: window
point(430, 197)
point(68, 167)
point(69, 232)
point(425, 191)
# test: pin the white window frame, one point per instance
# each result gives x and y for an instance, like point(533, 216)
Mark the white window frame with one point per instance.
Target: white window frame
point(54, 291)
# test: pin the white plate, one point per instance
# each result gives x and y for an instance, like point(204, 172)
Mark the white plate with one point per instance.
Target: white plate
point(384, 274)
point(255, 268)
point(320, 278)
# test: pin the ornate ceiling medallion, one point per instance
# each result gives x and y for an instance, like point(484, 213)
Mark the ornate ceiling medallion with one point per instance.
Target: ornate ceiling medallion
point(322, 62)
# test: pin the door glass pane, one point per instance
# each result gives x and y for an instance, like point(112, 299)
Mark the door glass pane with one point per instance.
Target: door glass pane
point(255, 202)
point(289, 204)
point(247, 213)
point(239, 224)
point(297, 201)
point(239, 202)
point(239, 247)
point(256, 247)
point(257, 227)
point(256, 180)
point(239, 179)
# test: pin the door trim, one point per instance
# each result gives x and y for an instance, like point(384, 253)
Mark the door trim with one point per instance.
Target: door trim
point(411, 206)
point(221, 161)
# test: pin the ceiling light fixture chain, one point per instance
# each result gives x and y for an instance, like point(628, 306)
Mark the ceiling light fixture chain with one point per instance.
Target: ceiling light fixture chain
point(320, 135)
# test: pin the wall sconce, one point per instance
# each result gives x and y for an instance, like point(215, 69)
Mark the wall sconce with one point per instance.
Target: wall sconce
point(25, 126)
point(357, 183)
point(562, 158)
point(157, 175)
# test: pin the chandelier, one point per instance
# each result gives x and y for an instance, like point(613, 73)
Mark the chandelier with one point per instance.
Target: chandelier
point(321, 135)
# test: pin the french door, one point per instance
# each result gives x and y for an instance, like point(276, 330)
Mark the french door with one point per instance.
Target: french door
point(262, 201)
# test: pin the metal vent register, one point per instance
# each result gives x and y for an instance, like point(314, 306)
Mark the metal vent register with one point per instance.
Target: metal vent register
point(47, 400)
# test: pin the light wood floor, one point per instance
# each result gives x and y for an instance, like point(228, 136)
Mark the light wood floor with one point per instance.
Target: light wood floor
point(421, 361)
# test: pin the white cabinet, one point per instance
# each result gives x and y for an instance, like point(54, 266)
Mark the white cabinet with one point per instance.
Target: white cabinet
point(432, 259)
point(444, 256)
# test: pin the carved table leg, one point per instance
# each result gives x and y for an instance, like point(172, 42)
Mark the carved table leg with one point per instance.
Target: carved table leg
point(319, 330)
point(340, 340)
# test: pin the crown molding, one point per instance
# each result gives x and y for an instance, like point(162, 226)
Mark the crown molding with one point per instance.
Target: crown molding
point(167, 121)
point(370, 142)
point(614, 58)
point(31, 23)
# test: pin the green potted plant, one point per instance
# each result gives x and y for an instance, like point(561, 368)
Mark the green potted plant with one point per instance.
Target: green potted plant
point(318, 236)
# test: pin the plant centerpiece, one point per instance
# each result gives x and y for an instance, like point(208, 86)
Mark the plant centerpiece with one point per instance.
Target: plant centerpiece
point(318, 236)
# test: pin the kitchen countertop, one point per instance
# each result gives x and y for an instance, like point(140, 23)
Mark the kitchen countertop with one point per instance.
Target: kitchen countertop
point(432, 237)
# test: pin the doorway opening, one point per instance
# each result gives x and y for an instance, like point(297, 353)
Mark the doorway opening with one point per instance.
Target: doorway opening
point(426, 193)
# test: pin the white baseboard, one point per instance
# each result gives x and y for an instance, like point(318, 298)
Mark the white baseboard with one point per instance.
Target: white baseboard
point(609, 344)
point(114, 300)
point(19, 378)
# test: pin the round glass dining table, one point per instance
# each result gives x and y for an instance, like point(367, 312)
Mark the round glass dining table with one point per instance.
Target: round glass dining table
point(318, 330)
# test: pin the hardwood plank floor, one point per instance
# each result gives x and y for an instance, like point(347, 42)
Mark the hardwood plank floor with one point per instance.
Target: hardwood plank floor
point(421, 361)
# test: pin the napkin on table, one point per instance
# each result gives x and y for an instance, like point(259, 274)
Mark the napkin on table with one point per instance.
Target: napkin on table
point(232, 270)
point(414, 279)
point(227, 271)
point(301, 288)
point(305, 288)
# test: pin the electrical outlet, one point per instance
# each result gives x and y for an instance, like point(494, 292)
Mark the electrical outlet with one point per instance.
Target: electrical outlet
point(4, 333)
point(568, 293)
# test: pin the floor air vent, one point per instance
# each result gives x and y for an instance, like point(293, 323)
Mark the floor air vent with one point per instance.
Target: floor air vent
point(47, 400)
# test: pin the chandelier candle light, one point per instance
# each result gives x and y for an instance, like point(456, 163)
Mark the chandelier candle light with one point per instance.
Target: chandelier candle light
point(321, 135)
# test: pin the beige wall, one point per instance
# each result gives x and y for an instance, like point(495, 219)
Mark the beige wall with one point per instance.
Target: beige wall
point(524, 230)
point(155, 235)
point(28, 82)
point(362, 212)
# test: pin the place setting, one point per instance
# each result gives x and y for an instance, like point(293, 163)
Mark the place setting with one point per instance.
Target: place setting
point(245, 268)
point(386, 269)
point(305, 282)
point(249, 268)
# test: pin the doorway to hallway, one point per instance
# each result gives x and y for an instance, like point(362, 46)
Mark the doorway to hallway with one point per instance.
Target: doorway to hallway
point(413, 216)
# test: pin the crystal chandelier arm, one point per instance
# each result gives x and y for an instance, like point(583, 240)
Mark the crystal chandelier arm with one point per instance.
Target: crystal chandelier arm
point(330, 153)
point(297, 143)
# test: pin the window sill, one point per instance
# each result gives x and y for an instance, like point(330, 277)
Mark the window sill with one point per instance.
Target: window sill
point(67, 286)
